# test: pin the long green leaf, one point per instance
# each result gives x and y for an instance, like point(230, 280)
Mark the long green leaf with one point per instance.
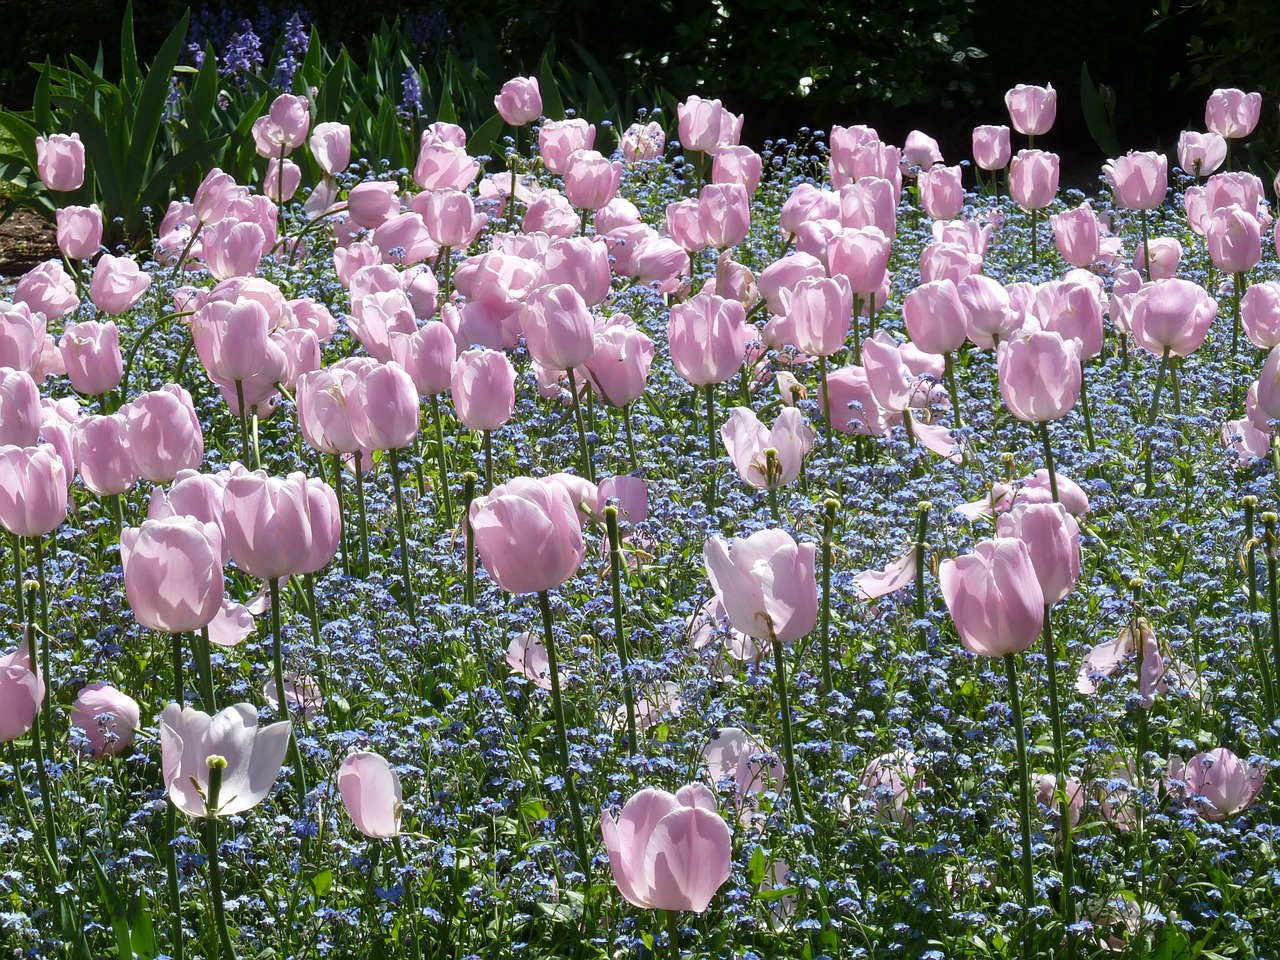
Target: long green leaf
point(482, 142)
point(130, 77)
point(23, 134)
point(552, 105)
point(149, 113)
point(1100, 125)
point(116, 913)
point(40, 103)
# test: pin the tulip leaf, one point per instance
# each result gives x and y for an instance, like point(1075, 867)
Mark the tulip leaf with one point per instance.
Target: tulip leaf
point(1101, 125)
point(116, 913)
point(552, 105)
point(321, 883)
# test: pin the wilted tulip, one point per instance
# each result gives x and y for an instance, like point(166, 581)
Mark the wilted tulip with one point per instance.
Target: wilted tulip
point(189, 738)
point(748, 442)
point(669, 851)
point(370, 791)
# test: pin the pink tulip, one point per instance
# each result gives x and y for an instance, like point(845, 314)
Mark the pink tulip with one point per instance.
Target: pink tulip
point(190, 738)
point(1052, 537)
point(283, 127)
point(724, 215)
point(117, 284)
point(706, 126)
point(483, 386)
point(619, 368)
point(986, 311)
point(947, 261)
point(1139, 180)
point(861, 256)
point(1166, 254)
point(233, 248)
point(994, 597)
point(60, 161)
point(669, 851)
point(893, 384)
point(1039, 374)
point(819, 311)
point(845, 145)
point(102, 452)
point(550, 213)
point(520, 101)
point(558, 329)
point(1033, 178)
point(1260, 314)
point(1232, 113)
point(1106, 658)
point(706, 335)
point(747, 439)
point(326, 526)
point(278, 188)
point(1201, 154)
point(1077, 235)
point(935, 317)
point(1073, 307)
point(734, 281)
point(684, 225)
point(370, 791)
point(48, 289)
point(737, 756)
point(921, 150)
point(1234, 238)
point(991, 149)
point(527, 655)
point(450, 217)
point(268, 523)
point(558, 140)
point(941, 192)
point(91, 352)
point(164, 433)
point(580, 262)
point(528, 535)
point(33, 490)
point(591, 180)
point(372, 203)
point(331, 147)
point(854, 408)
point(21, 694)
point(324, 398)
point(194, 495)
point(806, 202)
point(871, 202)
point(427, 355)
point(643, 141)
point(107, 717)
point(889, 781)
point(385, 413)
point(1032, 110)
point(1240, 187)
point(444, 164)
point(22, 333)
point(173, 573)
point(404, 240)
point(1173, 315)
point(766, 583)
point(79, 232)
point(738, 164)
point(20, 411)
point(1219, 785)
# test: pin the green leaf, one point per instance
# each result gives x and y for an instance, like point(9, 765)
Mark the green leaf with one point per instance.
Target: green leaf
point(130, 76)
point(321, 883)
point(552, 105)
point(481, 142)
point(141, 139)
point(142, 934)
point(40, 104)
point(116, 913)
point(756, 867)
point(1101, 126)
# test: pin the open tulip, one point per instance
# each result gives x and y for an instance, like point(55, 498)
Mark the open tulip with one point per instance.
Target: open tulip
point(767, 584)
point(669, 851)
point(190, 738)
point(747, 441)
point(1201, 154)
point(1232, 113)
point(370, 791)
point(1218, 783)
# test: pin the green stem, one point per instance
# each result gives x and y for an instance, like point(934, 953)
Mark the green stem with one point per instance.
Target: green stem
point(1048, 460)
point(826, 407)
point(488, 460)
point(922, 533)
point(211, 851)
point(1135, 628)
point(364, 513)
point(1146, 245)
point(1269, 525)
point(952, 392)
point(784, 707)
point(40, 723)
point(617, 563)
point(245, 453)
point(1060, 770)
point(673, 933)
point(186, 252)
point(584, 447)
point(46, 648)
point(282, 702)
point(829, 508)
point(441, 461)
point(19, 576)
point(137, 345)
point(857, 331)
point(1237, 290)
point(1151, 421)
point(1035, 237)
point(1086, 413)
point(468, 540)
point(1260, 654)
point(204, 670)
point(411, 899)
point(712, 459)
point(562, 741)
point(406, 581)
point(1024, 794)
point(344, 540)
point(631, 440)
point(176, 947)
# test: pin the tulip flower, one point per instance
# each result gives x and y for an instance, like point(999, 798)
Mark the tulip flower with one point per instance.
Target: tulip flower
point(668, 851)
point(79, 232)
point(520, 101)
point(20, 412)
point(60, 161)
point(706, 126)
point(1201, 154)
point(1260, 314)
point(991, 150)
point(370, 791)
point(1033, 183)
point(558, 140)
point(118, 284)
point(46, 289)
point(107, 717)
point(331, 147)
point(283, 127)
point(33, 490)
point(21, 694)
point(767, 458)
point(102, 451)
point(1217, 784)
point(941, 192)
point(888, 783)
point(1032, 110)
point(91, 353)
point(173, 573)
point(164, 433)
point(643, 142)
point(1231, 113)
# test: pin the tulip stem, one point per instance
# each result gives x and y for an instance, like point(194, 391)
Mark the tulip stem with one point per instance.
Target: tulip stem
point(784, 707)
point(1024, 795)
point(282, 702)
point(584, 446)
point(1086, 413)
point(468, 539)
point(922, 533)
point(204, 670)
point(829, 508)
point(186, 251)
point(441, 461)
point(342, 533)
point(1149, 476)
point(211, 844)
point(40, 723)
point(711, 448)
point(50, 863)
point(631, 440)
point(488, 460)
point(826, 408)
point(673, 933)
point(616, 564)
point(1251, 558)
point(952, 392)
point(406, 582)
point(1146, 245)
point(46, 652)
point(411, 900)
point(142, 338)
point(176, 948)
point(1270, 543)
point(1048, 460)
point(19, 575)
point(857, 330)
point(562, 741)
point(1060, 769)
point(1035, 237)
point(1237, 290)
point(245, 453)
point(364, 514)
